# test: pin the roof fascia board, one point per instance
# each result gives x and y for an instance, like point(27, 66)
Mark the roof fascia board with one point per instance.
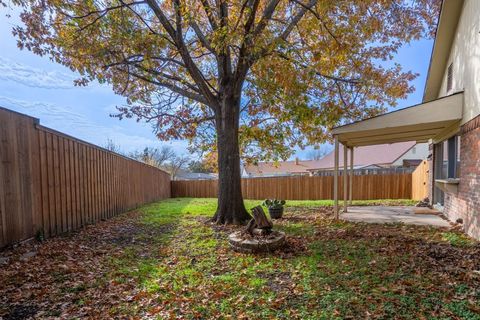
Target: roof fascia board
point(429, 112)
point(449, 17)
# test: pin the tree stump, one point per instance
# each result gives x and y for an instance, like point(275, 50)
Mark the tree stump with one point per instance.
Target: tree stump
point(241, 242)
point(259, 221)
point(258, 236)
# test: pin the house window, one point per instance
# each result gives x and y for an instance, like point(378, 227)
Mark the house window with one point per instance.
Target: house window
point(457, 165)
point(449, 77)
point(448, 154)
point(446, 164)
point(452, 157)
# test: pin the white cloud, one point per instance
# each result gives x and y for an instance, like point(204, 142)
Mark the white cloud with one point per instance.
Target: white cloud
point(111, 109)
point(34, 77)
point(65, 119)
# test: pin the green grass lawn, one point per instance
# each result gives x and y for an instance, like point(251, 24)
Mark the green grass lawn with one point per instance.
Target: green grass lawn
point(169, 262)
point(332, 270)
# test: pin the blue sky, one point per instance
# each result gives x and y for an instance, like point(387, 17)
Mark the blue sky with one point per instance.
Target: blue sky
point(38, 87)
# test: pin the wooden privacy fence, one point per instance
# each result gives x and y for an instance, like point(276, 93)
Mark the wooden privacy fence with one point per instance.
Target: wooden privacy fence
point(420, 181)
point(51, 183)
point(365, 187)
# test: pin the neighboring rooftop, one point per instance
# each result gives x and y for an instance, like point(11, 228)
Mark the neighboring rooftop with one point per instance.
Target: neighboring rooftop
point(376, 155)
point(280, 168)
point(380, 155)
point(187, 175)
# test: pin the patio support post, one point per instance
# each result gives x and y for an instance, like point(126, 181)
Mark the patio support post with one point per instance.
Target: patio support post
point(351, 177)
point(335, 179)
point(345, 177)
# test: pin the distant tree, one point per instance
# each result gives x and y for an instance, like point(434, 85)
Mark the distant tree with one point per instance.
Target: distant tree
point(251, 77)
point(164, 154)
point(317, 154)
point(211, 161)
point(154, 156)
point(163, 158)
point(199, 166)
point(141, 155)
point(174, 165)
point(112, 146)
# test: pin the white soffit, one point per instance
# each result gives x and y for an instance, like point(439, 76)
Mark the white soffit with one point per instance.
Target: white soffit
point(417, 123)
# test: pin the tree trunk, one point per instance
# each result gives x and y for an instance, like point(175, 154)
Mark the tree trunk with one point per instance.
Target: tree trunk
point(231, 209)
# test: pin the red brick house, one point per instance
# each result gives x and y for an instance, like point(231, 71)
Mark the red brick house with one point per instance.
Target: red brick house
point(448, 118)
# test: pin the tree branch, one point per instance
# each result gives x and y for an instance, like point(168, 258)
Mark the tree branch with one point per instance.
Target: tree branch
point(225, 61)
point(319, 19)
point(101, 11)
point(296, 19)
point(267, 15)
point(188, 94)
point(169, 76)
point(141, 18)
point(251, 18)
point(197, 120)
point(177, 37)
point(209, 12)
point(201, 36)
point(334, 78)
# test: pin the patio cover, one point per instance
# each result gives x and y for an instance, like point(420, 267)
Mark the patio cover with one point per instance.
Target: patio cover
point(430, 120)
point(436, 120)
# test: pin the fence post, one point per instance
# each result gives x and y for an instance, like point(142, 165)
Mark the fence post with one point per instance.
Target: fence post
point(351, 176)
point(335, 179)
point(345, 178)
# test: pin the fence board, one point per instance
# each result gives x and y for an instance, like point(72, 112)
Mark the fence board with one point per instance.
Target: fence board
point(392, 186)
point(365, 187)
point(54, 183)
point(51, 187)
point(3, 136)
point(11, 183)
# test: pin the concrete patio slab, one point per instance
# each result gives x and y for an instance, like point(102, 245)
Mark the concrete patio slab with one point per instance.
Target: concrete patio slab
point(378, 214)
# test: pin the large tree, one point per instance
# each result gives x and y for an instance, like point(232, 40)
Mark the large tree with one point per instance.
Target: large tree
point(250, 78)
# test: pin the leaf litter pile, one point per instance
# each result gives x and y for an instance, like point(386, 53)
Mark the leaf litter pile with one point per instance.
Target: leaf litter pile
point(166, 261)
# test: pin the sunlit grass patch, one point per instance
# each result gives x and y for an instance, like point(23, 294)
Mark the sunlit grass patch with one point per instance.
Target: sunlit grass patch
point(296, 228)
point(347, 270)
point(458, 239)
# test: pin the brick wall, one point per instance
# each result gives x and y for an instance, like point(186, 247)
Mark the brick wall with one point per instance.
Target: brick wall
point(465, 204)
